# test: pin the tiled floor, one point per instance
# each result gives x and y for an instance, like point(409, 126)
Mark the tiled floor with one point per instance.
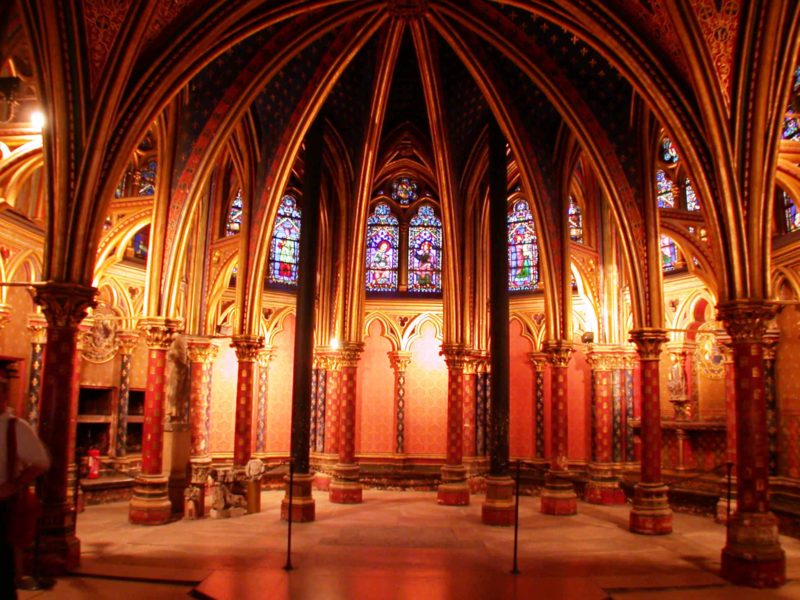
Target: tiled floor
point(402, 545)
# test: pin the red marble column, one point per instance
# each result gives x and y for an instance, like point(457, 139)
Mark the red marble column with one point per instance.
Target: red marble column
point(558, 495)
point(64, 305)
point(346, 487)
point(752, 554)
point(651, 513)
point(201, 352)
point(603, 486)
point(453, 489)
point(247, 349)
point(150, 504)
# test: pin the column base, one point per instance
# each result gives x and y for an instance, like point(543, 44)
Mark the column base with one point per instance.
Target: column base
point(453, 490)
point(150, 504)
point(558, 496)
point(345, 488)
point(498, 508)
point(194, 496)
point(59, 548)
point(752, 554)
point(302, 507)
point(603, 486)
point(651, 514)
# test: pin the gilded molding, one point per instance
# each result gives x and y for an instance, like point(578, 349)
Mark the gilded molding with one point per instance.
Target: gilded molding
point(37, 325)
point(648, 342)
point(351, 353)
point(399, 359)
point(200, 350)
point(559, 352)
point(539, 360)
point(159, 331)
point(745, 321)
point(264, 357)
point(247, 347)
point(456, 356)
point(127, 341)
point(5, 314)
point(65, 305)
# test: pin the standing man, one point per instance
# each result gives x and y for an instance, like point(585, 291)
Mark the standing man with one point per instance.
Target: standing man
point(22, 459)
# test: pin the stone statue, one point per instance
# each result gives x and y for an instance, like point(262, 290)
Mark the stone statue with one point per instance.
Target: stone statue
point(178, 382)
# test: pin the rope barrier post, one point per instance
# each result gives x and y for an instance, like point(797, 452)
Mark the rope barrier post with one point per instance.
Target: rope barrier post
point(728, 508)
point(515, 568)
point(288, 566)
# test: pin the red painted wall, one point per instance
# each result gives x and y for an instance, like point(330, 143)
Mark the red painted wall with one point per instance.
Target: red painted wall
point(223, 398)
point(580, 413)
point(279, 391)
point(426, 396)
point(375, 395)
point(522, 426)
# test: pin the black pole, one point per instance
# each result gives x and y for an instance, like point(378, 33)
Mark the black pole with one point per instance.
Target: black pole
point(515, 569)
point(498, 305)
point(288, 566)
point(306, 292)
point(728, 508)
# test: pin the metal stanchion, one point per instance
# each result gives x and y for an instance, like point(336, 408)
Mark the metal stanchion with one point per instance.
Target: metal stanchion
point(515, 568)
point(288, 566)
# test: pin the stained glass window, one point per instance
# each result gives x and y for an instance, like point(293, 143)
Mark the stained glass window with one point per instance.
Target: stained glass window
point(664, 193)
point(233, 224)
point(404, 191)
point(140, 242)
point(575, 221)
point(120, 190)
point(692, 203)
point(147, 179)
point(523, 251)
point(425, 252)
point(668, 152)
point(790, 214)
point(383, 238)
point(791, 122)
point(284, 253)
point(669, 254)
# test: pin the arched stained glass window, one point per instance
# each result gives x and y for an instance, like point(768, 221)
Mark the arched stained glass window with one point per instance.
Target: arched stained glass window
point(791, 122)
point(383, 238)
point(669, 254)
point(664, 193)
point(147, 179)
point(692, 203)
point(790, 214)
point(669, 154)
point(523, 251)
point(404, 191)
point(575, 221)
point(284, 253)
point(425, 252)
point(233, 223)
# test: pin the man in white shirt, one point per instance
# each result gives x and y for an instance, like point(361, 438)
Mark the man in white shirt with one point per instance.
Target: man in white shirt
point(32, 461)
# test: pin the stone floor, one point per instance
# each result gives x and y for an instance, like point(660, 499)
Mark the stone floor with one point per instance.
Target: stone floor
point(402, 545)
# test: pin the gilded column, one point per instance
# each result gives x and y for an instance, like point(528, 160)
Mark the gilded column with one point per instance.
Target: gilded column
point(263, 360)
point(603, 486)
point(37, 325)
point(628, 366)
point(150, 504)
point(558, 495)
point(470, 405)
point(539, 360)
point(247, 348)
point(453, 489)
point(127, 344)
point(651, 513)
point(201, 353)
point(771, 339)
point(399, 359)
point(346, 487)
point(64, 306)
point(752, 554)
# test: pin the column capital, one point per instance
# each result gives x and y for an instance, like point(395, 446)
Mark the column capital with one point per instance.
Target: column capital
point(247, 347)
point(455, 355)
point(559, 352)
point(127, 340)
point(264, 356)
point(602, 357)
point(480, 362)
point(539, 360)
point(37, 325)
point(5, 314)
point(159, 331)
point(65, 304)
point(328, 359)
point(399, 359)
point(648, 342)
point(771, 339)
point(200, 349)
point(350, 353)
point(746, 321)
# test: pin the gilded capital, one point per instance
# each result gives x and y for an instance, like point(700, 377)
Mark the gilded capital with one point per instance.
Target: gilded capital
point(5, 315)
point(264, 356)
point(602, 358)
point(127, 340)
point(37, 325)
point(399, 359)
point(539, 360)
point(200, 350)
point(65, 304)
point(159, 331)
point(559, 352)
point(455, 355)
point(746, 321)
point(247, 347)
point(350, 353)
point(771, 339)
point(648, 342)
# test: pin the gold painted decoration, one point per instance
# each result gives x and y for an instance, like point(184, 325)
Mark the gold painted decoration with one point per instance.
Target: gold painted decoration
point(708, 353)
point(99, 342)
